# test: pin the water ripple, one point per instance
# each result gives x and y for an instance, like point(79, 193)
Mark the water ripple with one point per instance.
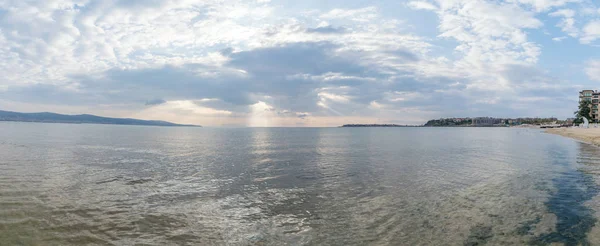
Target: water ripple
point(132, 185)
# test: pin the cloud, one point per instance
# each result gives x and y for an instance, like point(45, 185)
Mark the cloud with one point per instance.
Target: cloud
point(191, 108)
point(300, 78)
point(559, 39)
point(489, 32)
point(155, 102)
point(266, 77)
point(591, 32)
point(209, 63)
point(297, 58)
point(567, 24)
point(491, 35)
point(544, 5)
point(593, 70)
point(326, 30)
point(302, 115)
point(185, 82)
point(422, 5)
point(226, 51)
point(333, 97)
point(569, 13)
point(360, 15)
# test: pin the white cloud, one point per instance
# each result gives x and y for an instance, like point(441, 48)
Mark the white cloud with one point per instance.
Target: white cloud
point(490, 35)
point(569, 13)
point(544, 5)
point(559, 39)
point(59, 39)
point(591, 32)
point(422, 5)
point(193, 108)
point(245, 61)
point(567, 23)
point(261, 115)
point(593, 70)
point(360, 15)
point(333, 97)
point(490, 28)
point(398, 96)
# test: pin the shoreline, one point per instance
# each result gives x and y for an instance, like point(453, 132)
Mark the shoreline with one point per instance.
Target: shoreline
point(587, 135)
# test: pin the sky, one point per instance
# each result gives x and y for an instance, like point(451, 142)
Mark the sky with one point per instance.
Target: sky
point(264, 63)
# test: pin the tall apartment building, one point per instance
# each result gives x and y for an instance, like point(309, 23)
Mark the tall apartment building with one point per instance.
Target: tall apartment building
point(594, 97)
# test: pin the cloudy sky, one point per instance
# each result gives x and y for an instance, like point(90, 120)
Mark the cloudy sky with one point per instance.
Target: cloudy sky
point(298, 63)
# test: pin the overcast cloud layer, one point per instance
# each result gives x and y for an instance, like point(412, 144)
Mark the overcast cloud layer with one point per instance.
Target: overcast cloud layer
point(298, 63)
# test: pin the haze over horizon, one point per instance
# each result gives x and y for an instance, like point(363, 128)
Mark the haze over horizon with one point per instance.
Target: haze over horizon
point(290, 63)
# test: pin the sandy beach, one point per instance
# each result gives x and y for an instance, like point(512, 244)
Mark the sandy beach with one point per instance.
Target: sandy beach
point(589, 135)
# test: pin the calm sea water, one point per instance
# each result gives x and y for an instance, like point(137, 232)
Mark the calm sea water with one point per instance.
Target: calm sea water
point(63, 184)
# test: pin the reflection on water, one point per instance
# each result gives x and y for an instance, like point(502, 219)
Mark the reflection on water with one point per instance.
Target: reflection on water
point(572, 189)
point(92, 184)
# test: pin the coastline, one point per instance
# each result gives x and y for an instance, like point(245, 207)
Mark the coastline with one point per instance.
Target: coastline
point(588, 135)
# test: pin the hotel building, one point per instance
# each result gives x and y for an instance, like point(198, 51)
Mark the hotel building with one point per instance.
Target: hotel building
point(593, 97)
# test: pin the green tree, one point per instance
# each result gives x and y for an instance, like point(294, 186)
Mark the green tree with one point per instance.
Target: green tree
point(584, 110)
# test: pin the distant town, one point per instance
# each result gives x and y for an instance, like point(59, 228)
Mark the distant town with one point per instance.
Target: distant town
point(589, 104)
point(480, 122)
point(489, 121)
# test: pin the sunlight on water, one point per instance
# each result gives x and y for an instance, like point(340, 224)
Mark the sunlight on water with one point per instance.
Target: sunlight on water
point(91, 184)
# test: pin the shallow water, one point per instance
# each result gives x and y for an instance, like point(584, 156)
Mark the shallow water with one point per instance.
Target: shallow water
point(64, 184)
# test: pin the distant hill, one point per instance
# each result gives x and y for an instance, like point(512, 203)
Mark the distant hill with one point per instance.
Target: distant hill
point(79, 119)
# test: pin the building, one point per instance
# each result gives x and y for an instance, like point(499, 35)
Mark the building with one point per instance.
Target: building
point(486, 121)
point(593, 97)
point(569, 122)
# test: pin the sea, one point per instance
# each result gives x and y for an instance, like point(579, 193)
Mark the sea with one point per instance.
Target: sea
point(80, 184)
